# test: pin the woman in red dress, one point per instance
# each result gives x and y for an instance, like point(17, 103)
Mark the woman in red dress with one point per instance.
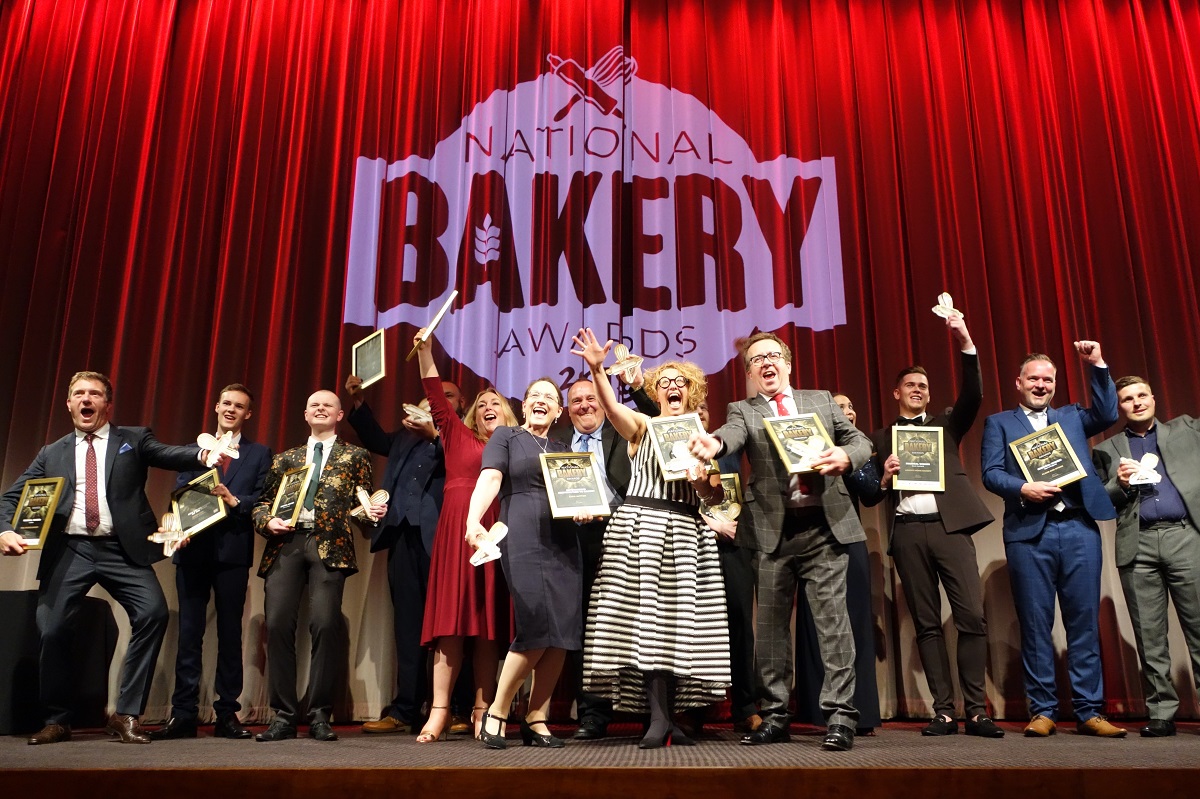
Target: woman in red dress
point(464, 601)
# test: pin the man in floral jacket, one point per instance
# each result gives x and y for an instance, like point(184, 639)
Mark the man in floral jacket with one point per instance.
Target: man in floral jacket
point(309, 540)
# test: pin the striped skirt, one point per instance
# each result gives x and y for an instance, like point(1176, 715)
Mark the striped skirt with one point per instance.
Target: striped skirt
point(658, 604)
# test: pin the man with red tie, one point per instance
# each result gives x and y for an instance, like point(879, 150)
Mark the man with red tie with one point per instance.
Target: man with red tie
point(99, 536)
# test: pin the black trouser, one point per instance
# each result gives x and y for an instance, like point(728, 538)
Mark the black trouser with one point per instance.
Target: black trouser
point(195, 581)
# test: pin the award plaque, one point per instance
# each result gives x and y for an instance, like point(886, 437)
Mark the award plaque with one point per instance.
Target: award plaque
point(195, 506)
point(798, 440)
point(730, 506)
point(574, 484)
point(289, 499)
point(367, 359)
point(35, 510)
point(669, 436)
point(1046, 457)
point(922, 467)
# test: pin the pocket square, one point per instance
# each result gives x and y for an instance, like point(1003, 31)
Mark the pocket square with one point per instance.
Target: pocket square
point(125, 448)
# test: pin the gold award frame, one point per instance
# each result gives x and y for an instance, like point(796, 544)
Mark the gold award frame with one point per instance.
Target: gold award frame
point(669, 436)
point(368, 359)
point(1046, 457)
point(289, 499)
point(574, 484)
point(195, 505)
point(921, 453)
point(798, 440)
point(35, 510)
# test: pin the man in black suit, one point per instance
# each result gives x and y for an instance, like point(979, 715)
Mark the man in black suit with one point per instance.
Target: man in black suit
point(930, 541)
point(99, 536)
point(415, 476)
point(217, 562)
point(589, 433)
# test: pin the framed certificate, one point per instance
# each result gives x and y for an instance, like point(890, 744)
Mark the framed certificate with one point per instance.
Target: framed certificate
point(367, 359)
point(35, 510)
point(669, 436)
point(195, 505)
point(798, 440)
point(1046, 457)
point(574, 484)
point(289, 499)
point(922, 466)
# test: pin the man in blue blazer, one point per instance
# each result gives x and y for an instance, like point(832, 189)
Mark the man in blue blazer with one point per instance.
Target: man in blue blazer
point(1052, 542)
point(217, 562)
point(99, 536)
point(415, 476)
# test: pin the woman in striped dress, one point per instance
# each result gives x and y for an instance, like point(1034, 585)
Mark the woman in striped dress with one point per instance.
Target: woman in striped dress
point(657, 638)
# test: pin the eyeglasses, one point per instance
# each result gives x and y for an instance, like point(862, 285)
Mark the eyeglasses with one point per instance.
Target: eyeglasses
point(766, 357)
point(537, 395)
point(679, 381)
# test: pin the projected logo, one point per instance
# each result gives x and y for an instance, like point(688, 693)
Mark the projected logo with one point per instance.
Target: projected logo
point(593, 197)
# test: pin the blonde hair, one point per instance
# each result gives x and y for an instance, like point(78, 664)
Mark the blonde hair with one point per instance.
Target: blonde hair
point(698, 388)
point(510, 418)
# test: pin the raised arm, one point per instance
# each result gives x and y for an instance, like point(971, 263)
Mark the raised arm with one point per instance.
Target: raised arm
point(629, 424)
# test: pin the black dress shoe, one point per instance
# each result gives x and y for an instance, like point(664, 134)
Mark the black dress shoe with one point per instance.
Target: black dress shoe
point(984, 728)
point(1158, 728)
point(590, 730)
point(278, 731)
point(230, 727)
point(175, 728)
point(321, 731)
point(941, 725)
point(766, 733)
point(839, 738)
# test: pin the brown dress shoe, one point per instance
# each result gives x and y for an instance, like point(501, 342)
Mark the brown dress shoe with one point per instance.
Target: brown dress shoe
point(386, 725)
point(459, 725)
point(1040, 727)
point(50, 734)
point(127, 728)
point(1100, 726)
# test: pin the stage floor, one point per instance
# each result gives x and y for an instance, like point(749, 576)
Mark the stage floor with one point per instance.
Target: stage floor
point(897, 761)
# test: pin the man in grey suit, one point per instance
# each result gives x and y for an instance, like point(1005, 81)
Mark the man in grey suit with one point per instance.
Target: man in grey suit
point(1158, 545)
point(798, 527)
point(98, 536)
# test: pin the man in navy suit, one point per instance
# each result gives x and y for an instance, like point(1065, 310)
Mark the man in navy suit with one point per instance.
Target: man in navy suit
point(1052, 542)
point(415, 476)
point(100, 535)
point(217, 561)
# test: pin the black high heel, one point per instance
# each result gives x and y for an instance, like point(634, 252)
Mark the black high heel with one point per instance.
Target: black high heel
point(492, 740)
point(531, 738)
point(655, 743)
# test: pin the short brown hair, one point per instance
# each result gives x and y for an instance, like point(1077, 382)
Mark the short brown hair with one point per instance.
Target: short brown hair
point(698, 390)
point(240, 388)
point(550, 380)
point(1037, 356)
point(98, 377)
point(910, 370)
point(1132, 380)
point(762, 336)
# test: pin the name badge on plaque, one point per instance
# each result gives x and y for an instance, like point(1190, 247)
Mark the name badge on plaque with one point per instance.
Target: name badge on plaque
point(289, 499)
point(35, 510)
point(1046, 457)
point(195, 506)
point(922, 466)
point(798, 440)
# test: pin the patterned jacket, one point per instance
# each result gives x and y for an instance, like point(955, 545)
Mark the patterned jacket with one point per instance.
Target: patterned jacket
point(346, 468)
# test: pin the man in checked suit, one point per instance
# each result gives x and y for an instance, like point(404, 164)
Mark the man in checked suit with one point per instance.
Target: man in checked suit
point(1158, 544)
point(99, 536)
point(1052, 542)
point(930, 540)
point(217, 562)
point(318, 551)
point(798, 527)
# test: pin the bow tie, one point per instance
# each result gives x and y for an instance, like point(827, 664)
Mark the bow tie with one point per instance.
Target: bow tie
point(920, 420)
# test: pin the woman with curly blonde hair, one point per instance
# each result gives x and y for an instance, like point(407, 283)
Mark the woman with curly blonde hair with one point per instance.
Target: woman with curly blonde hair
point(657, 638)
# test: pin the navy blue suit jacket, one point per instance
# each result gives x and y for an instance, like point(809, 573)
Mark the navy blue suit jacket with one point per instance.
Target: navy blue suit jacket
point(230, 541)
point(415, 477)
point(131, 452)
point(1002, 476)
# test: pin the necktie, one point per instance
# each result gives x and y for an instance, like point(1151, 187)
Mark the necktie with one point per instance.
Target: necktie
point(310, 496)
point(91, 496)
point(780, 409)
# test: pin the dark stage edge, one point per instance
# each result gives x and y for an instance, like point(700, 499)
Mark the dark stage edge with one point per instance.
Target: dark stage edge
point(897, 762)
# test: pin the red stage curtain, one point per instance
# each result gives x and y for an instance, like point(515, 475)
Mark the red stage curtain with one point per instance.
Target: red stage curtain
point(176, 187)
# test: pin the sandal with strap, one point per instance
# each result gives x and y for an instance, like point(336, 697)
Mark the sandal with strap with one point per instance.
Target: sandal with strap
point(493, 740)
point(427, 735)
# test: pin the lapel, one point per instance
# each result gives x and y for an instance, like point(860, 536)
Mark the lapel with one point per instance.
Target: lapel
point(1121, 442)
point(1023, 421)
point(760, 404)
point(234, 464)
point(115, 441)
point(65, 450)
